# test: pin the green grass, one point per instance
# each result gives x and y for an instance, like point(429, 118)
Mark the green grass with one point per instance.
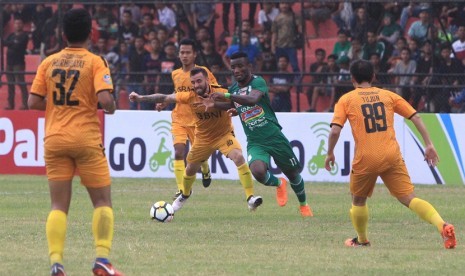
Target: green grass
point(215, 234)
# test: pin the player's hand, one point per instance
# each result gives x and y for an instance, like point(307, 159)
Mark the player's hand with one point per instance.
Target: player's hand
point(232, 112)
point(160, 106)
point(431, 156)
point(207, 102)
point(217, 96)
point(329, 161)
point(134, 97)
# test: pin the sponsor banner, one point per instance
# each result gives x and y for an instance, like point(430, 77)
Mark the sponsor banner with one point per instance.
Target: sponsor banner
point(139, 144)
point(22, 142)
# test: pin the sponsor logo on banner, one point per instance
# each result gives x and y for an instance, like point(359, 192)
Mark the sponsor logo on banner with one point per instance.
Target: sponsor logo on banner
point(163, 155)
point(317, 162)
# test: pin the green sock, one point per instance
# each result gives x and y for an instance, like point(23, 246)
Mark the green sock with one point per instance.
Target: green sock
point(299, 190)
point(271, 180)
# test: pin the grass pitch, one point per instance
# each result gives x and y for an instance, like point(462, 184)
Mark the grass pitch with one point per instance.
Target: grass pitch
point(215, 234)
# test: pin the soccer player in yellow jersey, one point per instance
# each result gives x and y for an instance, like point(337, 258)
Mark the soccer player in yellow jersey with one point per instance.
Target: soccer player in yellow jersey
point(213, 131)
point(182, 118)
point(68, 86)
point(370, 111)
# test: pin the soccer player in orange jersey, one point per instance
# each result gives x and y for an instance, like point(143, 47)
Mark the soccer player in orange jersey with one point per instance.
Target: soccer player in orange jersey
point(68, 86)
point(182, 118)
point(370, 111)
point(214, 131)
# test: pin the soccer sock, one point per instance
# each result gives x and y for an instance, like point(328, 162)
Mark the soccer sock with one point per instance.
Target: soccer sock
point(205, 167)
point(427, 212)
point(102, 228)
point(359, 217)
point(187, 182)
point(245, 177)
point(271, 180)
point(55, 229)
point(179, 169)
point(298, 187)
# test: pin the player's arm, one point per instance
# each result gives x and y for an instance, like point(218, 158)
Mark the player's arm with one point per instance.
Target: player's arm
point(431, 156)
point(210, 102)
point(36, 102)
point(332, 141)
point(106, 101)
point(153, 98)
point(251, 99)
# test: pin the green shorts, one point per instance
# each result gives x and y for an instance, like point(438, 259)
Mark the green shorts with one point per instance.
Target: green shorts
point(277, 147)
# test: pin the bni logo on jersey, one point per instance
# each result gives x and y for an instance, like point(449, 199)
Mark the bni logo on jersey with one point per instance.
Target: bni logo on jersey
point(163, 155)
point(317, 162)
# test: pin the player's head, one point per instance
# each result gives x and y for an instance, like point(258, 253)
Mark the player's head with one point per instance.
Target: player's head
point(240, 67)
point(199, 80)
point(187, 51)
point(361, 71)
point(77, 25)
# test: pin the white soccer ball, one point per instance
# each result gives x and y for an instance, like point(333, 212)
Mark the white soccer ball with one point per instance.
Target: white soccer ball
point(162, 211)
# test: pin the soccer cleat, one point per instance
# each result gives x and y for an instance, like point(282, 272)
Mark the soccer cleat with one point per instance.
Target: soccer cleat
point(178, 193)
point(102, 269)
point(305, 211)
point(355, 243)
point(180, 201)
point(448, 235)
point(206, 179)
point(281, 192)
point(57, 270)
point(254, 201)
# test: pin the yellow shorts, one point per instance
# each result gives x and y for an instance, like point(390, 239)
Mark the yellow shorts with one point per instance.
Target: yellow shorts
point(182, 133)
point(90, 161)
point(396, 179)
point(201, 150)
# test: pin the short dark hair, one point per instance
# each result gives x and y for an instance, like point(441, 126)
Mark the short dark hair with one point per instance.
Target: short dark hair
point(197, 70)
point(77, 25)
point(237, 55)
point(188, 41)
point(320, 50)
point(362, 71)
point(285, 57)
point(333, 56)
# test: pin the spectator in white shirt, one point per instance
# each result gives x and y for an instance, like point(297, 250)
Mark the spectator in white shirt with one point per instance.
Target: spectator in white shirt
point(267, 15)
point(166, 15)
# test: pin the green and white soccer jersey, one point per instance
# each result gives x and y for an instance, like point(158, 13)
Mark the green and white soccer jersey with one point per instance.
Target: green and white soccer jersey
point(263, 131)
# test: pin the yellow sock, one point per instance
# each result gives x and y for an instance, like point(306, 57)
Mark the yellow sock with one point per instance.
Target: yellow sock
point(245, 177)
point(205, 167)
point(102, 228)
point(427, 212)
point(359, 217)
point(55, 229)
point(179, 169)
point(187, 182)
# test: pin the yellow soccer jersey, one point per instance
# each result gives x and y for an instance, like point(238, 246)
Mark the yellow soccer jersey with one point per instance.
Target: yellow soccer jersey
point(70, 80)
point(209, 124)
point(182, 114)
point(370, 112)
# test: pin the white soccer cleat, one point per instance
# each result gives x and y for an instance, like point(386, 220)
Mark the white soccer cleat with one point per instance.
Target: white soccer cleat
point(254, 202)
point(179, 202)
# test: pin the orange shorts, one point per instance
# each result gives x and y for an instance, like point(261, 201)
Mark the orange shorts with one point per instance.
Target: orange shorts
point(201, 150)
point(396, 179)
point(182, 133)
point(90, 161)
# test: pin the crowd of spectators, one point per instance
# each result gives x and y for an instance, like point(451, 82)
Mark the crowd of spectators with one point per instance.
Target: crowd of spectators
point(417, 48)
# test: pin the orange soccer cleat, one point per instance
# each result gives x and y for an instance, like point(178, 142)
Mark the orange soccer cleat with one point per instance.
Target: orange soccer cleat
point(448, 235)
point(281, 193)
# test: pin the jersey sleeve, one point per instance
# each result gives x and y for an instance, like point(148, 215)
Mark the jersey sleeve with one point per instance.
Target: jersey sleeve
point(340, 113)
point(184, 98)
point(211, 77)
point(39, 85)
point(102, 77)
point(402, 107)
point(260, 85)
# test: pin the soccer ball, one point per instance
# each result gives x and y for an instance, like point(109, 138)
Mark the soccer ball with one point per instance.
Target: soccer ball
point(162, 211)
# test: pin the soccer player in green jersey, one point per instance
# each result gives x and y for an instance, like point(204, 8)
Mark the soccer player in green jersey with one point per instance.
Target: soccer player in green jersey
point(249, 96)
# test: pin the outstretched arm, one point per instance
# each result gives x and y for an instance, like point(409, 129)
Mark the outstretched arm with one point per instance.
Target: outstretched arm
point(212, 103)
point(251, 99)
point(332, 141)
point(154, 98)
point(431, 156)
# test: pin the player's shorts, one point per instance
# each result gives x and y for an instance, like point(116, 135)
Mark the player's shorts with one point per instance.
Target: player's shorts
point(90, 161)
point(396, 179)
point(277, 147)
point(202, 150)
point(182, 133)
